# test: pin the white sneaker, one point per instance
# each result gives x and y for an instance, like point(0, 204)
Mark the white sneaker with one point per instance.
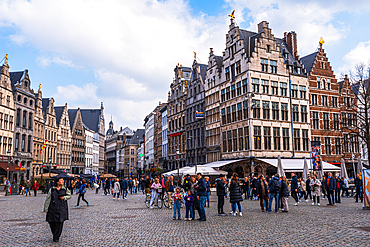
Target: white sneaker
point(114, 198)
point(231, 212)
point(313, 203)
point(240, 214)
point(170, 207)
point(234, 214)
point(190, 219)
point(306, 200)
point(296, 204)
point(117, 199)
point(318, 204)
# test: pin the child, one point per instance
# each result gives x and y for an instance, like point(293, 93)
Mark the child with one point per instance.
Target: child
point(189, 200)
point(176, 204)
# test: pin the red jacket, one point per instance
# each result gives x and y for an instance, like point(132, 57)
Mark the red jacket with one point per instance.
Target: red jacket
point(35, 186)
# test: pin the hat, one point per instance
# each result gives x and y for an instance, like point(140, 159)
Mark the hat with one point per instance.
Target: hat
point(187, 175)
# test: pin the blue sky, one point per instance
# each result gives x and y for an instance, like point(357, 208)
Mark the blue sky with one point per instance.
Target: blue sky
point(123, 52)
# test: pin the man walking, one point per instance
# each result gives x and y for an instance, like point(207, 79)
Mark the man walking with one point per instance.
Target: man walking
point(35, 187)
point(358, 184)
point(329, 184)
point(274, 189)
point(262, 193)
point(169, 189)
point(124, 187)
point(294, 188)
point(202, 196)
point(28, 188)
point(221, 191)
point(308, 188)
point(246, 187)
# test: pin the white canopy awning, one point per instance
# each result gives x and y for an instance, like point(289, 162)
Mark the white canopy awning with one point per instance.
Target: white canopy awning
point(296, 165)
point(220, 163)
point(174, 172)
point(204, 170)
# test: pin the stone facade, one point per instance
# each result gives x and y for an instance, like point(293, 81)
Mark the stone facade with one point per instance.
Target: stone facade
point(212, 107)
point(64, 138)
point(78, 141)
point(24, 98)
point(176, 117)
point(195, 127)
point(89, 156)
point(38, 135)
point(149, 140)
point(50, 133)
point(164, 161)
point(158, 161)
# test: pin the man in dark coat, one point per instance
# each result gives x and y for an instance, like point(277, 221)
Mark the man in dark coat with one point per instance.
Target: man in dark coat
point(245, 187)
point(221, 191)
point(124, 187)
point(274, 190)
point(308, 187)
point(202, 196)
point(329, 185)
point(358, 185)
point(254, 187)
point(294, 188)
point(262, 192)
point(56, 207)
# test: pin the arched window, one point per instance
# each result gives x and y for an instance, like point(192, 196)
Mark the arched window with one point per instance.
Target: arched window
point(24, 119)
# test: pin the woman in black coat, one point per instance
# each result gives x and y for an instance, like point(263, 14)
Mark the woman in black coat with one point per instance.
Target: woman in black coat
point(235, 194)
point(56, 207)
point(284, 194)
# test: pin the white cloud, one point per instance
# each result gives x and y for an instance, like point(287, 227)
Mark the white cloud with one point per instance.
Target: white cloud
point(360, 54)
point(75, 94)
point(18, 39)
point(132, 46)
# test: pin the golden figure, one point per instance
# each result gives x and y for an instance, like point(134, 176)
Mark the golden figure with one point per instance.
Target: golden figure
point(6, 58)
point(40, 87)
point(232, 16)
point(195, 55)
point(321, 41)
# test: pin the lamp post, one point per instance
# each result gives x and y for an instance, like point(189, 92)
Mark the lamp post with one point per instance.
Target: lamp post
point(7, 174)
point(75, 166)
point(178, 163)
point(49, 166)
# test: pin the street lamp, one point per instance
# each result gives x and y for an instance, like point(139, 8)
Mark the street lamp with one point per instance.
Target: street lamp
point(75, 167)
point(7, 173)
point(178, 163)
point(49, 166)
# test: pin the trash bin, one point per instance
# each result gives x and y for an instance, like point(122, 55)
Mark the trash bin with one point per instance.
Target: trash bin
point(15, 189)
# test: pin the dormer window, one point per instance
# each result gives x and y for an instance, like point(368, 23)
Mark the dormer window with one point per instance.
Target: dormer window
point(299, 70)
point(322, 65)
point(268, 48)
point(19, 98)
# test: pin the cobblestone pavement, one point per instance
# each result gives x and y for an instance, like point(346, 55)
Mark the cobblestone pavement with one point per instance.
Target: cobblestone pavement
point(127, 223)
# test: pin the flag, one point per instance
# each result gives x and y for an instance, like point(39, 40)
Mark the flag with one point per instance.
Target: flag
point(44, 146)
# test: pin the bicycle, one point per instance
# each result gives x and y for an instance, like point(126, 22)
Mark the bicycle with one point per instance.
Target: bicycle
point(158, 201)
point(166, 201)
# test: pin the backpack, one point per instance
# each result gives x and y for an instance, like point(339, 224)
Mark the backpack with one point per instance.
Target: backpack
point(276, 185)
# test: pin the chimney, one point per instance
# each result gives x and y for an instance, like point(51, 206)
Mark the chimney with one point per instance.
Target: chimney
point(263, 25)
point(291, 40)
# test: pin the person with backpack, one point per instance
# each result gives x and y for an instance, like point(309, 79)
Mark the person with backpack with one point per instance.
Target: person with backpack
point(294, 188)
point(81, 194)
point(274, 190)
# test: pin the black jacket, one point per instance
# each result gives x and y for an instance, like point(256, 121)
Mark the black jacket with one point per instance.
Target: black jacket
point(259, 188)
point(308, 187)
point(284, 191)
point(332, 184)
point(235, 193)
point(58, 209)
point(358, 182)
point(221, 188)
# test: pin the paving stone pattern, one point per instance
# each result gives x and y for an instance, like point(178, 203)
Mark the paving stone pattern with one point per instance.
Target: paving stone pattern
point(127, 223)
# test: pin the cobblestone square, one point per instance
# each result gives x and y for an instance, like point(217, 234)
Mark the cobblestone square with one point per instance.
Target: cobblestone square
point(127, 223)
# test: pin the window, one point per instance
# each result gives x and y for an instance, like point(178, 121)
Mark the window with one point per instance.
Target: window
point(132, 151)
point(229, 141)
point(246, 138)
point(224, 145)
point(29, 143)
point(18, 117)
point(314, 99)
point(223, 114)
point(336, 121)
point(241, 137)
point(322, 65)
point(266, 109)
point(274, 88)
point(16, 141)
point(245, 109)
point(273, 67)
point(302, 92)
point(328, 84)
point(240, 111)
point(233, 115)
point(238, 67)
point(256, 108)
point(283, 89)
point(276, 133)
point(285, 139)
point(294, 91)
point(267, 137)
point(235, 140)
point(268, 48)
point(284, 111)
point(323, 84)
point(233, 91)
point(24, 119)
point(315, 120)
point(228, 114)
point(337, 143)
point(238, 88)
point(295, 113)
point(227, 93)
point(257, 137)
point(327, 145)
point(297, 139)
point(305, 140)
point(23, 142)
point(255, 85)
point(1, 120)
point(334, 101)
point(245, 88)
point(326, 120)
point(324, 100)
point(318, 83)
point(346, 143)
point(303, 114)
point(265, 86)
point(227, 73)
point(275, 110)
point(30, 120)
point(263, 65)
point(222, 95)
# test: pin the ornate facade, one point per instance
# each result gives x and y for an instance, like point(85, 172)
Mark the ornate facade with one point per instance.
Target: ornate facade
point(78, 141)
point(50, 133)
point(64, 138)
point(38, 135)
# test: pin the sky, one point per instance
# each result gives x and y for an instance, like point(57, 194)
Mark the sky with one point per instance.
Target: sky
point(123, 53)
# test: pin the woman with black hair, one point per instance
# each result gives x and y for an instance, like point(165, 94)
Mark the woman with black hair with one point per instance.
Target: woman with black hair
point(56, 207)
point(235, 195)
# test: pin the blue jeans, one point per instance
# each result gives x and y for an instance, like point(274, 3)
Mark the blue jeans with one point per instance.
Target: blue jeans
point(208, 194)
point(124, 193)
point(134, 189)
point(176, 207)
point(28, 191)
point(202, 201)
point(189, 210)
point(233, 207)
point(271, 197)
point(116, 194)
point(331, 196)
point(337, 195)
